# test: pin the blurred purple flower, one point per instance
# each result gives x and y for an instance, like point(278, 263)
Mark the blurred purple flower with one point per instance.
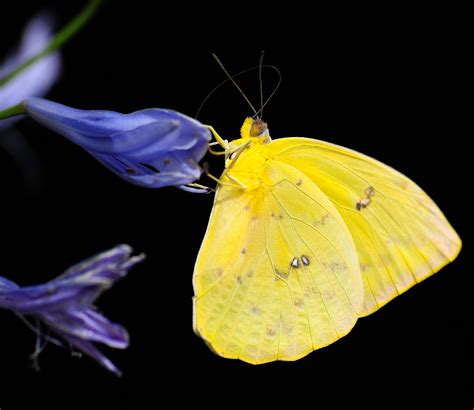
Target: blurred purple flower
point(65, 303)
point(151, 148)
point(36, 80)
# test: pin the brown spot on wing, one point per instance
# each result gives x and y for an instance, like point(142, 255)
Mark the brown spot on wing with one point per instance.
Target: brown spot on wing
point(365, 201)
point(271, 332)
point(299, 303)
point(370, 192)
point(323, 220)
point(364, 267)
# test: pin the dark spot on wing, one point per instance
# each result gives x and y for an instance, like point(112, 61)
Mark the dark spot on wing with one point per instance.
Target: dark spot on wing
point(295, 263)
point(271, 332)
point(334, 266)
point(364, 267)
point(323, 220)
point(254, 310)
point(299, 303)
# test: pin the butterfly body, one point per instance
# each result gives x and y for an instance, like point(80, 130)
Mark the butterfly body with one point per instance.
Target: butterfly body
point(304, 238)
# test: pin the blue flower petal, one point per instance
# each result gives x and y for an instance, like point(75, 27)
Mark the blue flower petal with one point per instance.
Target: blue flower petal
point(89, 325)
point(89, 349)
point(152, 148)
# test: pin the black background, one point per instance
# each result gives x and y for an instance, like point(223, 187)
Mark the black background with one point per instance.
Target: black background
point(375, 80)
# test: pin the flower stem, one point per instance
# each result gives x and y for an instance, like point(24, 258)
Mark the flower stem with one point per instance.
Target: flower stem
point(12, 111)
point(58, 40)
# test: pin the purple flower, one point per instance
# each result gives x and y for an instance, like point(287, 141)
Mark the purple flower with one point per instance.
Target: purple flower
point(151, 148)
point(65, 303)
point(36, 80)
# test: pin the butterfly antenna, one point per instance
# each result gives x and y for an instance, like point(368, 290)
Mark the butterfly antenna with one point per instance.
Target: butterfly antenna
point(211, 93)
point(260, 63)
point(259, 112)
point(233, 82)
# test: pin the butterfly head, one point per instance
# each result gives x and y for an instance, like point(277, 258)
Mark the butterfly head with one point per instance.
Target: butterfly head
point(256, 129)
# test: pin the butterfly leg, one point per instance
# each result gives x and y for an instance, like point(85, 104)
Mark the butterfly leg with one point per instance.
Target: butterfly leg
point(236, 153)
point(220, 141)
point(237, 184)
point(197, 188)
point(227, 152)
point(216, 152)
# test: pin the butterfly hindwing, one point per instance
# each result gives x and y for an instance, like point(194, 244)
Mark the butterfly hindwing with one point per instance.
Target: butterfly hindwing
point(277, 275)
point(400, 234)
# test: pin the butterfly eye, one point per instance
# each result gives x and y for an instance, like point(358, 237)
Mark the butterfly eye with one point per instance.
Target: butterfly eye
point(258, 127)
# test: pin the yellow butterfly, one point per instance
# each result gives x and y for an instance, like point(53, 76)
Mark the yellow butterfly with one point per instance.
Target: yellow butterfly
point(304, 238)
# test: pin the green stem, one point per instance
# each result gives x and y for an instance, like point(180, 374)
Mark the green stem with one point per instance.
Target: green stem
point(58, 40)
point(12, 111)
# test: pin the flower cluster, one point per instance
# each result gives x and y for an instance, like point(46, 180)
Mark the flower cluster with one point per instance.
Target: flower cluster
point(151, 148)
point(65, 304)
